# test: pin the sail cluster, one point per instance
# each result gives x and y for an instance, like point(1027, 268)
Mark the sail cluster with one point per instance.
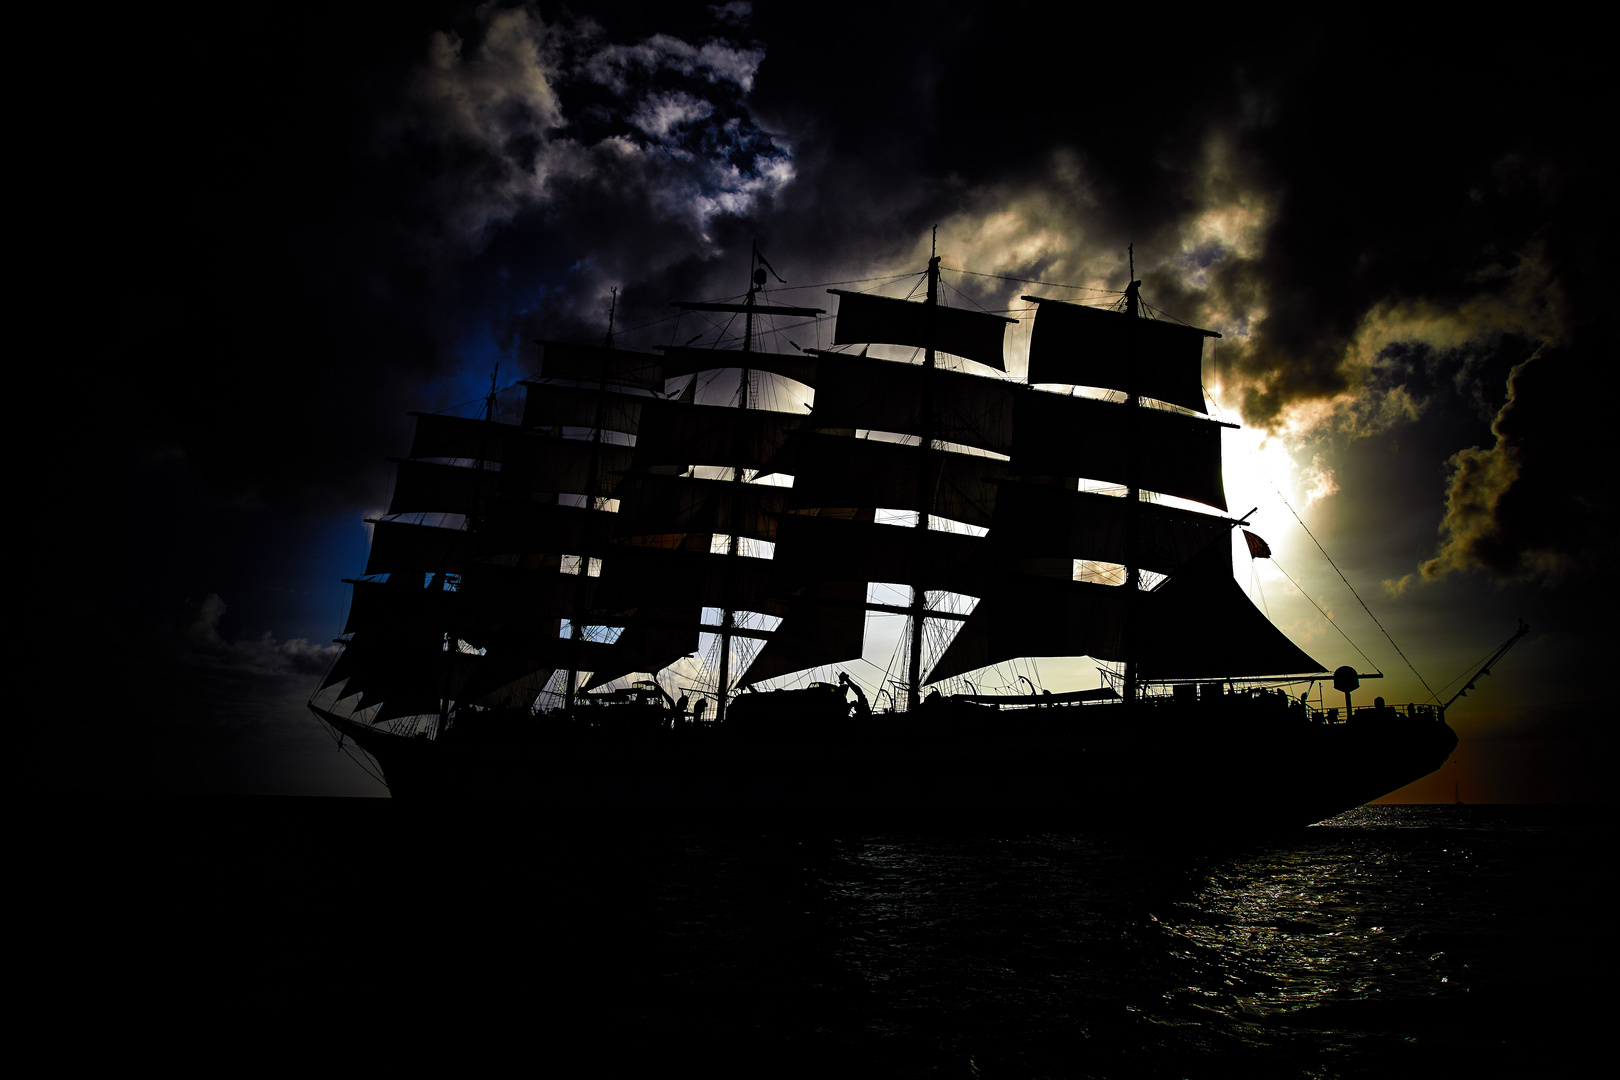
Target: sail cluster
point(595, 536)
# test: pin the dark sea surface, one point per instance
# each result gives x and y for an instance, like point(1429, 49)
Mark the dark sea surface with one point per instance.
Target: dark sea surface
point(1393, 941)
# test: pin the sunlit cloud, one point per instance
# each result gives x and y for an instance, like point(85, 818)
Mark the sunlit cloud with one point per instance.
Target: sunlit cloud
point(1320, 478)
point(1229, 217)
point(1397, 586)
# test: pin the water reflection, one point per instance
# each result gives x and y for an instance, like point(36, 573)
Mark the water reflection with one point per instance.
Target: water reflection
point(1052, 955)
point(1435, 940)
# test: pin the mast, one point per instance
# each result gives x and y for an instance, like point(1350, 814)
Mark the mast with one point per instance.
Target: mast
point(592, 488)
point(728, 614)
point(1133, 495)
point(917, 612)
point(1197, 624)
point(925, 402)
point(452, 643)
point(748, 309)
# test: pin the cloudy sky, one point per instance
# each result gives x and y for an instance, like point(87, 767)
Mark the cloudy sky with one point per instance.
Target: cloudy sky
point(304, 229)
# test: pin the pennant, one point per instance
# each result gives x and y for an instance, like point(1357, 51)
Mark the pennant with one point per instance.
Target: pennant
point(1258, 548)
point(768, 266)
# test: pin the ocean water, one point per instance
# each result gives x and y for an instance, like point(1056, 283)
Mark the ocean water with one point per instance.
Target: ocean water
point(1392, 941)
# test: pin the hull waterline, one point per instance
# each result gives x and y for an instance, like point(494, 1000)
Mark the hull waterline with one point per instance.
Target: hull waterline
point(1171, 767)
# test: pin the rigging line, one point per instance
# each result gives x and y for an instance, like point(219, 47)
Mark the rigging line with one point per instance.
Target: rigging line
point(974, 303)
point(1329, 618)
point(864, 280)
point(369, 771)
point(1353, 592)
point(1471, 668)
point(675, 318)
point(1160, 315)
point(1034, 281)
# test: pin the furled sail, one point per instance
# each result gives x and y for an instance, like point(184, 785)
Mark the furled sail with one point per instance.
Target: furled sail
point(976, 335)
point(1094, 347)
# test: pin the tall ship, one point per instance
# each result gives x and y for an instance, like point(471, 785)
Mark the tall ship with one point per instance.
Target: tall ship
point(655, 587)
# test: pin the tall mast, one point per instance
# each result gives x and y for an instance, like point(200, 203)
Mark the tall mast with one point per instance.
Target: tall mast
point(917, 613)
point(728, 614)
point(474, 521)
point(1133, 494)
point(748, 309)
point(593, 487)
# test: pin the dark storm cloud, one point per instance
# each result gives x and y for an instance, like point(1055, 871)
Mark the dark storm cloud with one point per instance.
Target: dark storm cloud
point(583, 163)
point(318, 210)
point(312, 227)
point(1295, 187)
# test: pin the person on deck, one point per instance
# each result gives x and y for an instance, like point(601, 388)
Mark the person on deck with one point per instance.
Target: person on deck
point(860, 708)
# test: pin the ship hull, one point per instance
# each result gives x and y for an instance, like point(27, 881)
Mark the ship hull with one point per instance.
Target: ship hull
point(1231, 766)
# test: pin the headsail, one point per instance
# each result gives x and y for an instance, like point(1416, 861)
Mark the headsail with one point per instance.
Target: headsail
point(1202, 626)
